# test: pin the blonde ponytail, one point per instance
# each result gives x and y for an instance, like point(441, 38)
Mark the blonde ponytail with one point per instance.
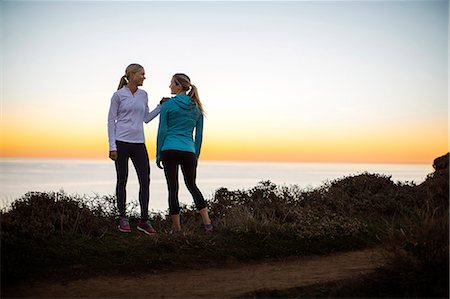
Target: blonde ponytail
point(193, 94)
point(123, 82)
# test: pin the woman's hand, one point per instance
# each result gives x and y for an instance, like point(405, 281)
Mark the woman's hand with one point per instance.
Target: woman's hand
point(163, 100)
point(113, 155)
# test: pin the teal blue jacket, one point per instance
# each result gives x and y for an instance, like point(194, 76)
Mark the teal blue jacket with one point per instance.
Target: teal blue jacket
point(178, 118)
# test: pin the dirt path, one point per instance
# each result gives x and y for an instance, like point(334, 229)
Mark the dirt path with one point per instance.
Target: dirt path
point(223, 282)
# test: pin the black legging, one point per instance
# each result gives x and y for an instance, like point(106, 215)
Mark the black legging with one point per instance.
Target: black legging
point(171, 159)
point(137, 152)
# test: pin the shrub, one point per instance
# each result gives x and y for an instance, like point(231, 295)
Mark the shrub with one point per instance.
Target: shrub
point(40, 215)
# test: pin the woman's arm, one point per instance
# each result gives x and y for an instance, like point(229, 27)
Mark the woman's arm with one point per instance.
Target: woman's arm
point(152, 114)
point(162, 130)
point(149, 115)
point(198, 135)
point(112, 119)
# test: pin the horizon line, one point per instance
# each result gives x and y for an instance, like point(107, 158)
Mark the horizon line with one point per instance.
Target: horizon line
point(224, 161)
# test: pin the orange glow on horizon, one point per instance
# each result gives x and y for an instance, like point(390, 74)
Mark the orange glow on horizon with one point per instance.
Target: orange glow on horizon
point(358, 149)
point(391, 143)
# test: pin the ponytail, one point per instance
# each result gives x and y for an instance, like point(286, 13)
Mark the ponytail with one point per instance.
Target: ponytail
point(193, 94)
point(123, 82)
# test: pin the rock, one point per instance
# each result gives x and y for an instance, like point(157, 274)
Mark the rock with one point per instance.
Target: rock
point(441, 163)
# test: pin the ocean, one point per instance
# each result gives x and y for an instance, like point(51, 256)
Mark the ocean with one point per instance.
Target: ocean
point(97, 177)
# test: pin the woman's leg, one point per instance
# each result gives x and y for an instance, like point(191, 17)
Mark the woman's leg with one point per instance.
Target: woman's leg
point(170, 165)
point(122, 176)
point(176, 224)
point(142, 166)
point(205, 216)
point(189, 169)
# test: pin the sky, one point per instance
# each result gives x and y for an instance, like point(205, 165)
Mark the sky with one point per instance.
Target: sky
point(304, 81)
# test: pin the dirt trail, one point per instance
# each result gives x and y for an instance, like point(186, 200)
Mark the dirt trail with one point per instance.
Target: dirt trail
point(219, 282)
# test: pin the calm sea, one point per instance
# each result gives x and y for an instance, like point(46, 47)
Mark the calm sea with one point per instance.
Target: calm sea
point(91, 177)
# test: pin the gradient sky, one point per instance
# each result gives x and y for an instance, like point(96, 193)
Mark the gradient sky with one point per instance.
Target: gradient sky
point(339, 81)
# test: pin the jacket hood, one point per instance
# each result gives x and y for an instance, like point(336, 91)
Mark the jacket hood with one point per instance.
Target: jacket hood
point(183, 101)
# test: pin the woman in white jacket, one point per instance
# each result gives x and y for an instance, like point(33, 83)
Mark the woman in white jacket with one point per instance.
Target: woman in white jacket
point(127, 114)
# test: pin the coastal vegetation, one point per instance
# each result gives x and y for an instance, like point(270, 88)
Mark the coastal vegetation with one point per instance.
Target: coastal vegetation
point(55, 236)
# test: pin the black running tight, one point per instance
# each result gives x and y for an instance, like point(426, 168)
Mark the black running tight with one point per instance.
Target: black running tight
point(171, 159)
point(137, 152)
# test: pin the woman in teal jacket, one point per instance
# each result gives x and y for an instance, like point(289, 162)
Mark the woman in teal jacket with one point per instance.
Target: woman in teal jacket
point(176, 146)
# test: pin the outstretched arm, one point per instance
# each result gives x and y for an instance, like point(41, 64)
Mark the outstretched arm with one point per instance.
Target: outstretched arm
point(149, 115)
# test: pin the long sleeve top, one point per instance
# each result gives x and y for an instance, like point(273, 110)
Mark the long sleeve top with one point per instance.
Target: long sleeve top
point(127, 115)
point(178, 118)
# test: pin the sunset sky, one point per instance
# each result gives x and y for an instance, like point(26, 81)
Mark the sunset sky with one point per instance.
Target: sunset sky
point(338, 81)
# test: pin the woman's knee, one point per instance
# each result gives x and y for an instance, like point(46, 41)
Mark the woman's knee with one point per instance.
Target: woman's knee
point(144, 182)
point(122, 180)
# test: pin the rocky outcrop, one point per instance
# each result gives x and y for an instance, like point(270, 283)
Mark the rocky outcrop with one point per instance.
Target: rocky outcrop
point(441, 163)
point(437, 183)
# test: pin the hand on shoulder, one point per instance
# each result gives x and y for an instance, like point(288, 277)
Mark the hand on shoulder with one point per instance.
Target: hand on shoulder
point(163, 100)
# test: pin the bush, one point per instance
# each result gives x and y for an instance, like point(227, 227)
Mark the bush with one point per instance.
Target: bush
point(40, 215)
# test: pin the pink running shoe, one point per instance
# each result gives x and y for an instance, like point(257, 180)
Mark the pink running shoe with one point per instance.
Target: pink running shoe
point(124, 225)
point(146, 227)
point(209, 228)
